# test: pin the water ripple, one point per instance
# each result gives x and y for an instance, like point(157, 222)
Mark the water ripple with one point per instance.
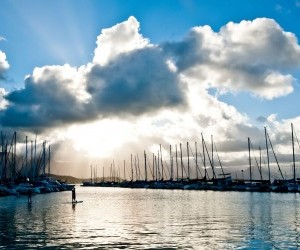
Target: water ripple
point(112, 218)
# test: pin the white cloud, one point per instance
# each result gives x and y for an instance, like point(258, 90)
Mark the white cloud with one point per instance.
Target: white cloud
point(53, 96)
point(297, 3)
point(68, 78)
point(121, 38)
point(136, 82)
point(3, 101)
point(129, 76)
point(4, 66)
point(250, 55)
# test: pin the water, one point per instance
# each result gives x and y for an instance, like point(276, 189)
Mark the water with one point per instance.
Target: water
point(115, 218)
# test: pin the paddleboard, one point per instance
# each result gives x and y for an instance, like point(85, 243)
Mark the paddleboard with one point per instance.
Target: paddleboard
point(74, 202)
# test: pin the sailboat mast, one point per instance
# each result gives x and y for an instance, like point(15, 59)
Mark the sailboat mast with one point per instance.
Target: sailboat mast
point(49, 155)
point(153, 166)
point(91, 174)
point(6, 173)
point(181, 162)
point(136, 171)
point(275, 157)
point(35, 162)
point(138, 165)
point(294, 164)
point(212, 154)
point(31, 161)
point(103, 174)
point(268, 159)
point(188, 156)
point(159, 177)
point(249, 160)
point(15, 152)
point(96, 175)
point(204, 163)
point(26, 156)
point(44, 157)
point(131, 169)
point(162, 166)
point(124, 172)
point(171, 162)
point(145, 165)
point(260, 163)
point(176, 161)
point(196, 161)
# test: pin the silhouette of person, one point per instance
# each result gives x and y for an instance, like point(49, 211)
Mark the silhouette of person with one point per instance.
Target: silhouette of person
point(73, 195)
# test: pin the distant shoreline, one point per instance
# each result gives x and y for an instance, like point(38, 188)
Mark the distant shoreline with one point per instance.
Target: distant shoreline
point(75, 180)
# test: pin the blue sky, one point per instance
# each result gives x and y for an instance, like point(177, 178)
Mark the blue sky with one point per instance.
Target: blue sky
point(56, 32)
point(39, 34)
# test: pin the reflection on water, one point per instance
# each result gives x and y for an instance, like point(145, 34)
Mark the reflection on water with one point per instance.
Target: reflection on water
point(151, 219)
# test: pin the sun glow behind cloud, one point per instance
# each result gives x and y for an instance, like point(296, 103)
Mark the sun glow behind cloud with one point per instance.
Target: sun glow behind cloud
point(101, 138)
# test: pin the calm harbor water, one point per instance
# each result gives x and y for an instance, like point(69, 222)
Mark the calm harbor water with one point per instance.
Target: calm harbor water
point(115, 218)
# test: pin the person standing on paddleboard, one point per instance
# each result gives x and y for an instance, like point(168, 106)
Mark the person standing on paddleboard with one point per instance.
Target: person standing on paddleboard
point(74, 195)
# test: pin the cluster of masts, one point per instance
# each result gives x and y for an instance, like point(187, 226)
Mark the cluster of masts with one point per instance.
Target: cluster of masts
point(157, 173)
point(159, 169)
point(17, 167)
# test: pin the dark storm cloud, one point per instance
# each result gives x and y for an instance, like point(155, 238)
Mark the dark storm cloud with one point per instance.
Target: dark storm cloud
point(135, 83)
point(45, 101)
point(188, 52)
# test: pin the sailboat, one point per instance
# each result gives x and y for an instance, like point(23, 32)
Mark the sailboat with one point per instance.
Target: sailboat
point(293, 184)
point(255, 185)
point(278, 185)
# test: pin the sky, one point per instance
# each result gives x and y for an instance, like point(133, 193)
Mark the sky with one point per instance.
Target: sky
point(101, 80)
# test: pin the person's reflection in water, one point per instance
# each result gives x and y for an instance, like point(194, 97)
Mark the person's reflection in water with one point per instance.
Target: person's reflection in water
point(29, 208)
point(29, 195)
